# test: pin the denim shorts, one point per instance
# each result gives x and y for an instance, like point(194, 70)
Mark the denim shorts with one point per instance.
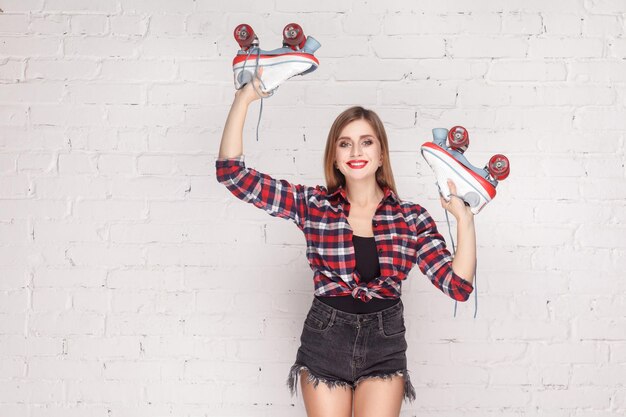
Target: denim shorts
point(343, 349)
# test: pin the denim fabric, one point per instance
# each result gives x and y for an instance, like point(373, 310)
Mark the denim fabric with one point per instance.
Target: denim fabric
point(342, 349)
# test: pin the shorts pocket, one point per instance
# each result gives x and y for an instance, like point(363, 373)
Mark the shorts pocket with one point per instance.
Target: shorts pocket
point(393, 326)
point(318, 321)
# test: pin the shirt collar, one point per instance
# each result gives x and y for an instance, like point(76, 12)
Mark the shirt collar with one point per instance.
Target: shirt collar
point(341, 191)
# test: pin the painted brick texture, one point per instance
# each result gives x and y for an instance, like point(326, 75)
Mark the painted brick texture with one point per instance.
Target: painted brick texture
point(132, 283)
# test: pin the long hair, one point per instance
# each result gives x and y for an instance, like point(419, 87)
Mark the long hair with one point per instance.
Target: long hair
point(334, 177)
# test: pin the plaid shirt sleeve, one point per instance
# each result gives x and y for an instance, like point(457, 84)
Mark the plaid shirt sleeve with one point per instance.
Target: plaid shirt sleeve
point(279, 198)
point(435, 261)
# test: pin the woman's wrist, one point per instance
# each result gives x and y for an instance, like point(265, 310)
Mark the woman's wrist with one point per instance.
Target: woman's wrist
point(241, 100)
point(465, 219)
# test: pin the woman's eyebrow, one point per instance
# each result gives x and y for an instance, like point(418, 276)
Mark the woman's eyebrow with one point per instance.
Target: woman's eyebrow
point(362, 136)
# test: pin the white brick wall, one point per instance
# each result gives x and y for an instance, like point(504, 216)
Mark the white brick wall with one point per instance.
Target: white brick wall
point(133, 284)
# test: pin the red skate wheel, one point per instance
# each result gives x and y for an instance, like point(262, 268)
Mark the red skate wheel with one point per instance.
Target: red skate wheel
point(294, 36)
point(244, 35)
point(458, 137)
point(499, 167)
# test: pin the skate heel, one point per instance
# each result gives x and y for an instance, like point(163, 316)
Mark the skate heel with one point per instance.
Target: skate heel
point(245, 76)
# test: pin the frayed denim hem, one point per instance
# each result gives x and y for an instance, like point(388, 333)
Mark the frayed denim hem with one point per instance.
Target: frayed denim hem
point(294, 372)
point(409, 391)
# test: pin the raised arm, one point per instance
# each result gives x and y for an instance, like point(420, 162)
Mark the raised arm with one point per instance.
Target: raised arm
point(464, 262)
point(279, 198)
point(435, 261)
point(232, 137)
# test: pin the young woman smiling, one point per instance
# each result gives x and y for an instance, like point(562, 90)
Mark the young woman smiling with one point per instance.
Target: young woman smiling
point(362, 241)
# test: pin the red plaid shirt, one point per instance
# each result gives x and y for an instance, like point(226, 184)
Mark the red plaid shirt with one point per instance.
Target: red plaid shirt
point(404, 232)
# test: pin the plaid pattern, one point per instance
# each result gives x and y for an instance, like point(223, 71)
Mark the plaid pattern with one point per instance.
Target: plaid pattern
point(404, 232)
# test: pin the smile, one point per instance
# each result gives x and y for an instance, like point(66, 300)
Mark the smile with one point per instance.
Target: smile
point(357, 165)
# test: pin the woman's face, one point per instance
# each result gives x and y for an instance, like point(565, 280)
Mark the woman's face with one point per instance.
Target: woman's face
point(358, 153)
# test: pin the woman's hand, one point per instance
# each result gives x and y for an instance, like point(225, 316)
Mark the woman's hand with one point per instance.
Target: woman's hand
point(252, 90)
point(456, 205)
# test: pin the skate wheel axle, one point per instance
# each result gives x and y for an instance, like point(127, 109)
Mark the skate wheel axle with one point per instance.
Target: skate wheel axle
point(244, 35)
point(499, 167)
point(293, 36)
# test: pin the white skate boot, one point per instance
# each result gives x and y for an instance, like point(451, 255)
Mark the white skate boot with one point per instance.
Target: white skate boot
point(476, 186)
point(294, 58)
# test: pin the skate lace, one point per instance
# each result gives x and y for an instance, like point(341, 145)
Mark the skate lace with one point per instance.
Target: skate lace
point(256, 72)
point(454, 254)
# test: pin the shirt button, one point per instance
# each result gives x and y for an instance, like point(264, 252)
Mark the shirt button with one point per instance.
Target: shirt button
point(375, 224)
point(380, 251)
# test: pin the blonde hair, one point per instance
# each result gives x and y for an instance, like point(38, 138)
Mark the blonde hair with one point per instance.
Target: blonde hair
point(334, 177)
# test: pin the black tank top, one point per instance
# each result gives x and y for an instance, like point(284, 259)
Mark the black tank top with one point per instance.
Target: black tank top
point(368, 266)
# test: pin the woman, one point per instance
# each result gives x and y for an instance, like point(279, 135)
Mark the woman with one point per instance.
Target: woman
point(362, 241)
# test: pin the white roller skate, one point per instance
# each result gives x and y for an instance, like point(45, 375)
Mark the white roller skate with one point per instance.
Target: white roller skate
point(294, 58)
point(476, 186)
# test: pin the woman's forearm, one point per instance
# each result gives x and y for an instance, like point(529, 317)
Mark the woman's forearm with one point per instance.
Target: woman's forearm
point(232, 137)
point(464, 262)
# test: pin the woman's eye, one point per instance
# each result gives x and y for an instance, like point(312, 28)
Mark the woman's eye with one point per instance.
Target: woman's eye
point(366, 142)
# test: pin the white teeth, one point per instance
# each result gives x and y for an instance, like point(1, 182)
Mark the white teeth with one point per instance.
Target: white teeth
point(359, 164)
